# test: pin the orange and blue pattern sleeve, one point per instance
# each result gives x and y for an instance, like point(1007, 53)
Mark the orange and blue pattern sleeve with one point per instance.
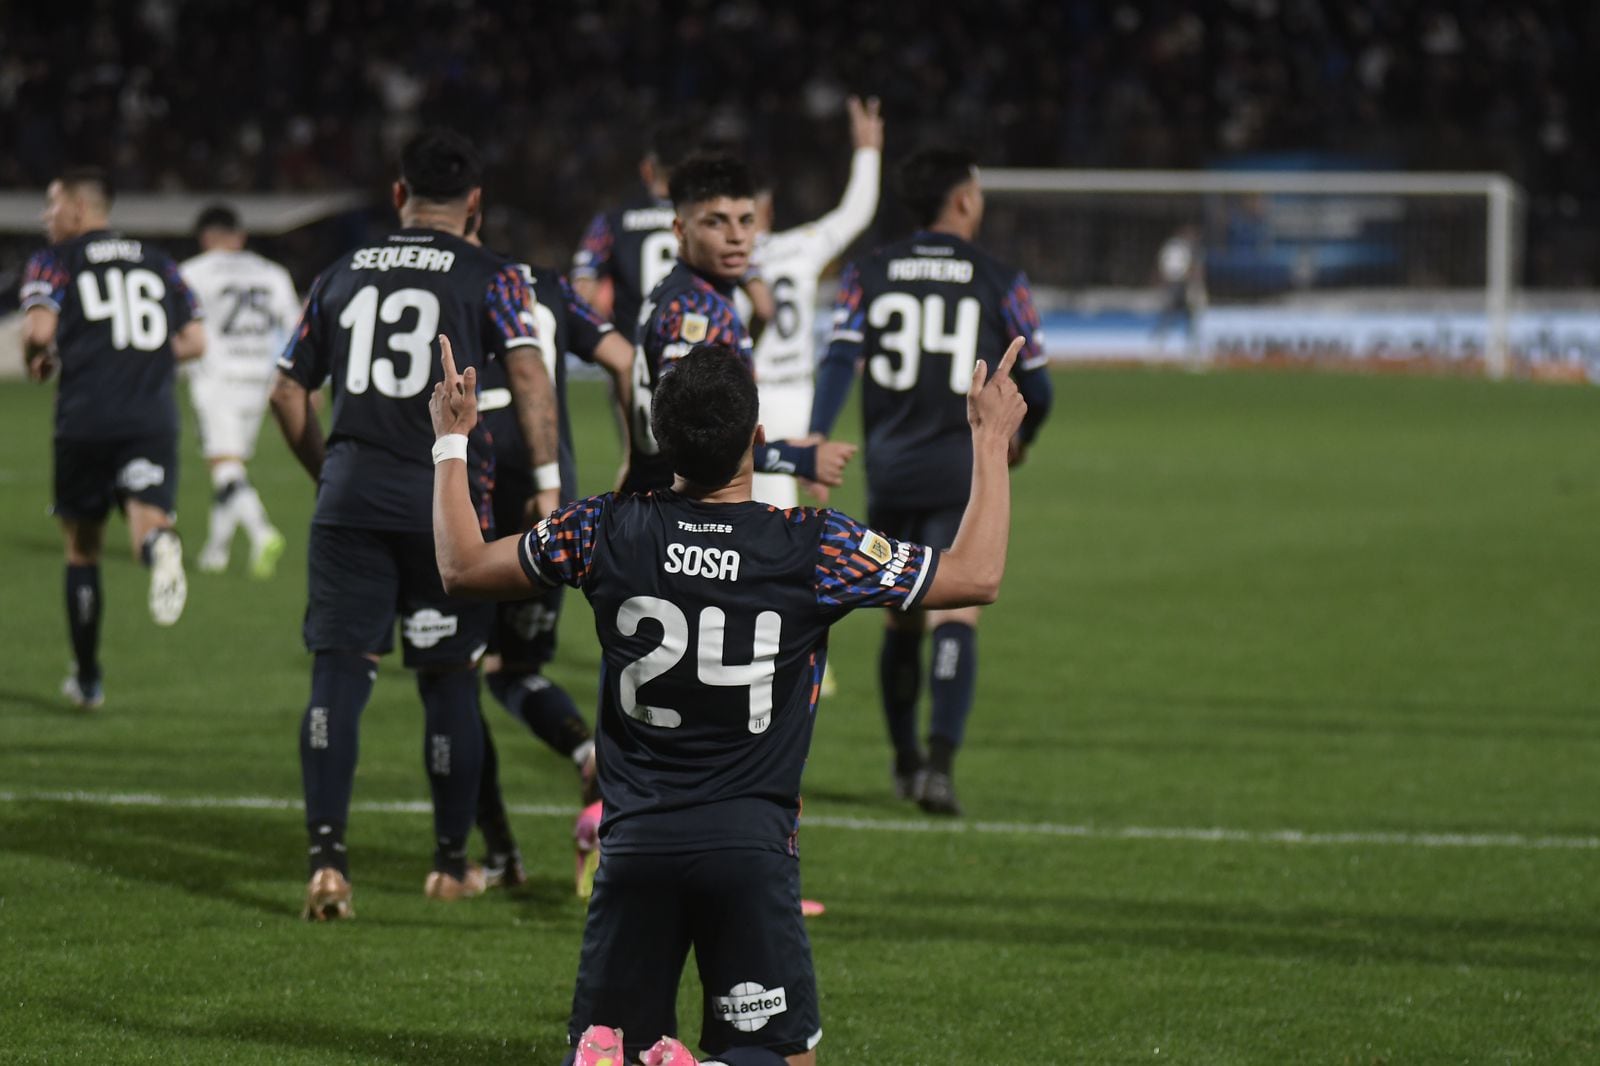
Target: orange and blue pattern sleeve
point(304, 358)
point(508, 308)
point(837, 370)
point(44, 282)
point(183, 306)
point(560, 549)
point(859, 567)
point(698, 316)
point(585, 328)
point(1022, 320)
point(593, 258)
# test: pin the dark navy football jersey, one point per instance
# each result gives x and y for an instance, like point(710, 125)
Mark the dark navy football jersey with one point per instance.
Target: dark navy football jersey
point(119, 302)
point(713, 624)
point(566, 326)
point(371, 326)
point(634, 247)
point(920, 313)
point(686, 309)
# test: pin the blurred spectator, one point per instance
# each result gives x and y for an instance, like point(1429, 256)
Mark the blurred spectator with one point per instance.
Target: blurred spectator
point(227, 94)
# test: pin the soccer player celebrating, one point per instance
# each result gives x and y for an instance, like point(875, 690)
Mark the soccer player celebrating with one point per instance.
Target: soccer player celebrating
point(790, 263)
point(713, 198)
point(712, 613)
point(524, 635)
point(634, 245)
point(919, 311)
point(368, 327)
point(114, 316)
point(252, 305)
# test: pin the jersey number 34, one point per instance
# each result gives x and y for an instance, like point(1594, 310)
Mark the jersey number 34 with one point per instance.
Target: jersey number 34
point(918, 328)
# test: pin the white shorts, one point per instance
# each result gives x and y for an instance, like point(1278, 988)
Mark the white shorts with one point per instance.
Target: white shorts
point(785, 415)
point(229, 413)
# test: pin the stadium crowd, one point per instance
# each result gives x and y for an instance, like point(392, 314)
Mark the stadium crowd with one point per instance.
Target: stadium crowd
point(312, 93)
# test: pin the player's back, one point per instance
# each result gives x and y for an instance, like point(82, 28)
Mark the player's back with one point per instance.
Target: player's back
point(790, 263)
point(250, 306)
point(119, 301)
point(926, 309)
point(712, 637)
point(370, 326)
point(635, 247)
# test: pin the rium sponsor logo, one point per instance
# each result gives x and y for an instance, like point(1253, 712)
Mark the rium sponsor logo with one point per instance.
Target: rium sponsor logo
point(388, 257)
point(897, 565)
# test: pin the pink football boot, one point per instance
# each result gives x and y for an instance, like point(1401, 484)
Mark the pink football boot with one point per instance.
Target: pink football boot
point(600, 1045)
point(586, 834)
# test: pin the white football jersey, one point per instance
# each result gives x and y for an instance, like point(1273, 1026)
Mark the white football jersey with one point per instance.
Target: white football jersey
point(250, 309)
point(790, 263)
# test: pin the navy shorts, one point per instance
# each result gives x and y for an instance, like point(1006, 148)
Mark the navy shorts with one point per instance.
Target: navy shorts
point(92, 475)
point(935, 527)
point(739, 909)
point(524, 633)
point(360, 580)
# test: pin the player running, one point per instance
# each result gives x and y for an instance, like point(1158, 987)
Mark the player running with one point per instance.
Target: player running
point(918, 311)
point(251, 306)
point(712, 612)
point(524, 635)
point(790, 263)
point(368, 328)
point(114, 316)
point(714, 222)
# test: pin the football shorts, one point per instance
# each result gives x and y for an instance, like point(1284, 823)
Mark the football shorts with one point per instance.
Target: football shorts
point(92, 475)
point(361, 580)
point(229, 414)
point(740, 910)
point(936, 526)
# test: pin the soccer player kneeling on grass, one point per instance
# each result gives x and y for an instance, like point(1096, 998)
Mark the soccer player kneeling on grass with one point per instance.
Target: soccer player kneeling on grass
point(712, 613)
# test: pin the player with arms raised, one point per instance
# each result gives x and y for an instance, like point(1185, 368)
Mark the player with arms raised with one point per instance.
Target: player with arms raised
point(252, 305)
point(919, 312)
point(714, 200)
point(790, 263)
point(712, 612)
point(368, 328)
point(114, 316)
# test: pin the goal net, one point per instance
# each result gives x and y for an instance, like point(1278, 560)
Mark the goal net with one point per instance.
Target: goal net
point(1377, 270)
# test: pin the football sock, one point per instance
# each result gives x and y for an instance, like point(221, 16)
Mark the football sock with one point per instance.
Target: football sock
point(453, 753)
point(954, 679)
point(492, 820)
point(148, 544)
point(543, 706)
point(341, 683)
point(247, 509)
point(900, 681)
point(225, 481)
point(83, 619)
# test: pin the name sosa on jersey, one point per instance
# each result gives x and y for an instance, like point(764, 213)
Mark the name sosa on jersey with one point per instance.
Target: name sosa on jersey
point(692, 560)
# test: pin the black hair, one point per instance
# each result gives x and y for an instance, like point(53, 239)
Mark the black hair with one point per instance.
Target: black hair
point(218, 216)
point(98, 178)
point(672, 141)
point(704, 413)
point(705, 176)
point(441, 165)
point(929, 175)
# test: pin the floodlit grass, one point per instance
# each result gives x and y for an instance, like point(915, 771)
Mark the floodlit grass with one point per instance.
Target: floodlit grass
point(1365, 609)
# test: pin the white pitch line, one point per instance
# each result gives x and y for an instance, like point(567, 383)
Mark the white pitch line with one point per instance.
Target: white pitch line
point(1198, 834)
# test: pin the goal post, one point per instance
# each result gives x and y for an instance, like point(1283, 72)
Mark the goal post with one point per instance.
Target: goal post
point(1334, 247)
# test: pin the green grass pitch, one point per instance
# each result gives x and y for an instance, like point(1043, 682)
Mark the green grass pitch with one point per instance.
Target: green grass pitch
point(1364, 610)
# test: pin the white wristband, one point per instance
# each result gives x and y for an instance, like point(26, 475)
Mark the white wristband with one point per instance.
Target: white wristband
point(450, 446)
point(547, 476)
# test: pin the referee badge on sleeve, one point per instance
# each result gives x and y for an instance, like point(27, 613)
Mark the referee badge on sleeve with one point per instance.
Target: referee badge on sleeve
point(875, 547)
point(695, 328)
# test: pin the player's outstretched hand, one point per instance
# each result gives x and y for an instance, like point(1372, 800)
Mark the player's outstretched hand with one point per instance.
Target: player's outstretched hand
point(454, 404)
point(832, 455)
point(994, 404)
point(866, 122)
